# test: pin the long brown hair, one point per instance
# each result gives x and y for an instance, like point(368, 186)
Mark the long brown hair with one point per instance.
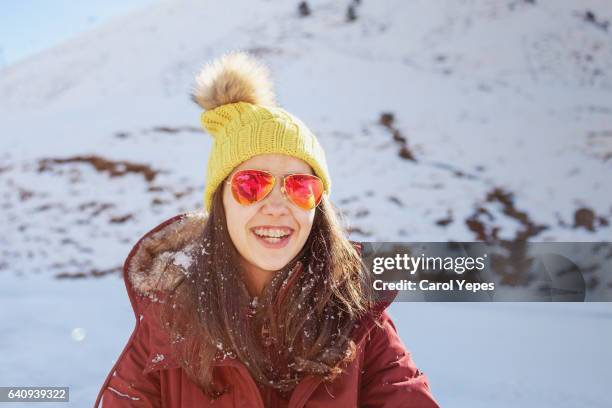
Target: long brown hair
point(302, 323)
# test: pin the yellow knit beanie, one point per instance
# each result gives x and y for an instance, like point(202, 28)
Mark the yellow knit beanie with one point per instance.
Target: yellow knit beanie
point(244, 120)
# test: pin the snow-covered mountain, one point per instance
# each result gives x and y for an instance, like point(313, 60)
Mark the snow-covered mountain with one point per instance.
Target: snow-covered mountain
point(447, 119)
point(502, 104)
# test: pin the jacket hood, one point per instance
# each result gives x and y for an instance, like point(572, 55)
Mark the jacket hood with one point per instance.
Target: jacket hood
point(159, 261)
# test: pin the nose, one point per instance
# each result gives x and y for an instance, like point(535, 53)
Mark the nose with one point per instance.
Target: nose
point(275, 203)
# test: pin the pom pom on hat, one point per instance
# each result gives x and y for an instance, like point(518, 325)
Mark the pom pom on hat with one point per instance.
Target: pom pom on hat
point(235, 77)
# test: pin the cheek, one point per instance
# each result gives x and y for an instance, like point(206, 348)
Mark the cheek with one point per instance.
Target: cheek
point(305, 220)
point(234, 216)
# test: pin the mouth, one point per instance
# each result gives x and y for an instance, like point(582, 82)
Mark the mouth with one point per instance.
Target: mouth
point(271, 236)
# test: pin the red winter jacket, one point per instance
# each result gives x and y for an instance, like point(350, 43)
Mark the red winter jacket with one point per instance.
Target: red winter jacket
point(382, 375)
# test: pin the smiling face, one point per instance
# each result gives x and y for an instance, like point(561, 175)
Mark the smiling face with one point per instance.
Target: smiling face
point(255, 229)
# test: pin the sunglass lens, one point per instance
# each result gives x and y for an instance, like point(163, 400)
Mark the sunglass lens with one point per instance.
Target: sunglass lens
point(250, 186)
point(304, 190)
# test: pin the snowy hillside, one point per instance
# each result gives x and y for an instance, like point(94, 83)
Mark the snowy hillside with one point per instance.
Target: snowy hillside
point(462, 119)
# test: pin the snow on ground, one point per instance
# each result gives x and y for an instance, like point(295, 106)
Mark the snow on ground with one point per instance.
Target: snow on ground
point(458, 117)
point(511, 354)
point(475, 355)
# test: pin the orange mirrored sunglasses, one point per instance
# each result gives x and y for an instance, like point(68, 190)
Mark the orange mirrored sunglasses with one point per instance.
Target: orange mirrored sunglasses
point(252, 186)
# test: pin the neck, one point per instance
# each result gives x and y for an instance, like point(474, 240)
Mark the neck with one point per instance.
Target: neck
point(256, 278)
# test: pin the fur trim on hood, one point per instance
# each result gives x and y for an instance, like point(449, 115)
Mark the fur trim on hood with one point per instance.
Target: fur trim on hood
point(160, 259)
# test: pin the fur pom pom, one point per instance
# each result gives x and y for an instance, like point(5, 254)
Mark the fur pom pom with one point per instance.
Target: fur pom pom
point(235, 77)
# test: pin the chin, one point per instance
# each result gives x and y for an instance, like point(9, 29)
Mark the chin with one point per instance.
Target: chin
point(272, 259)
point(272, 266)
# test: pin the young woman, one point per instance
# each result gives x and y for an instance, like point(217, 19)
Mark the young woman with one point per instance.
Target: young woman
point(260, 300)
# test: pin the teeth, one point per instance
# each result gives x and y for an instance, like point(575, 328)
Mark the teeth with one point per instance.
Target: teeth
point(271, 232)
point(271, 240)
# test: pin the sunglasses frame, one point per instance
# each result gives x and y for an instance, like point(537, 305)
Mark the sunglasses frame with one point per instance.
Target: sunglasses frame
point(283, 190)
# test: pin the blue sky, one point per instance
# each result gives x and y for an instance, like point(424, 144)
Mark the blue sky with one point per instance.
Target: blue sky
point(30, 26)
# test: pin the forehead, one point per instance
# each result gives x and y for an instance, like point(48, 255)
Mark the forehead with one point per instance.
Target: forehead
point(276, 163)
